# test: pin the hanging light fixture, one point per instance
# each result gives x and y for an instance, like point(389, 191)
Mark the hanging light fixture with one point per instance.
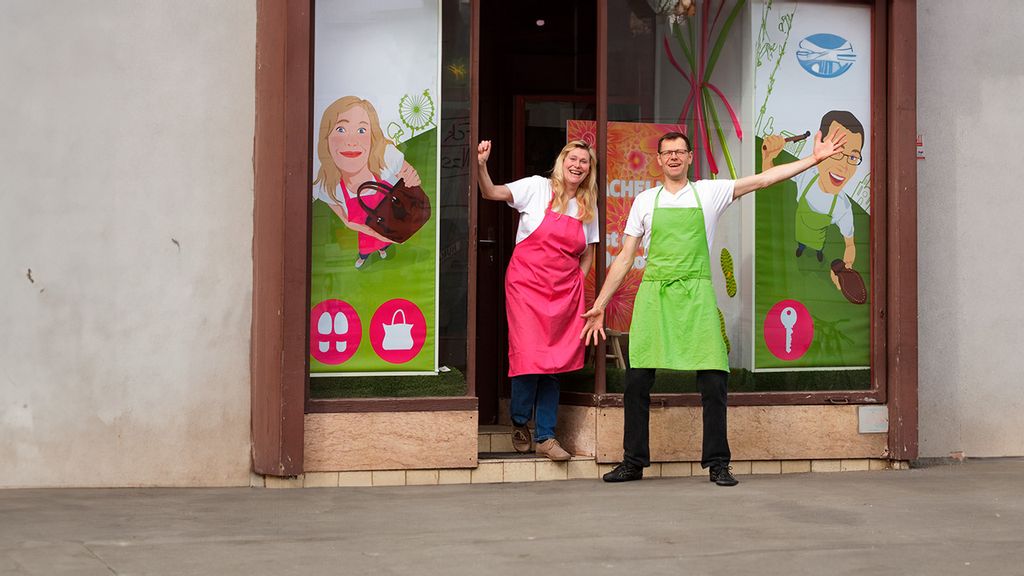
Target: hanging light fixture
point(677, 11)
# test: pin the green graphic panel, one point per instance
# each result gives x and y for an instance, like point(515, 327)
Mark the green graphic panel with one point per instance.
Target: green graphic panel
point(408, 272)
point(842, 330)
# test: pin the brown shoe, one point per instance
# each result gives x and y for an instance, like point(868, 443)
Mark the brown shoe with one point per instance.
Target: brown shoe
point(553, 450)
point(521, 438)
point(850, 282)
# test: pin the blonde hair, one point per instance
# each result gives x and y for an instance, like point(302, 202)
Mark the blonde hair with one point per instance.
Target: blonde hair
point(586, 193)
point(329, 175)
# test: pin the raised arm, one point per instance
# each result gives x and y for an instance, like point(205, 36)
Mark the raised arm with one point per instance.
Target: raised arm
point(823, 148)
point(616, 273)
point(488, 189)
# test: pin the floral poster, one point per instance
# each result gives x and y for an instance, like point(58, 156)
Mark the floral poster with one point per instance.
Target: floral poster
point(632, 168)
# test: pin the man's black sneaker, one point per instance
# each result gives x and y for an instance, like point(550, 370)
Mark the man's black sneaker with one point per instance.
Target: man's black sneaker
point(722, 476)
point(624, 472)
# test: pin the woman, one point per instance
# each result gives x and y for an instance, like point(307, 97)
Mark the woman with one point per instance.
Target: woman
point(352, 150)
point(544, 285)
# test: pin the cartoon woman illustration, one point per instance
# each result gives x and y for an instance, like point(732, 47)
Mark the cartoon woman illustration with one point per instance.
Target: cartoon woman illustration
point(352, 150)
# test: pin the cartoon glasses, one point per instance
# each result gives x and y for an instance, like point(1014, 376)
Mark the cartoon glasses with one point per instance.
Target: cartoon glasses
point(854, 158)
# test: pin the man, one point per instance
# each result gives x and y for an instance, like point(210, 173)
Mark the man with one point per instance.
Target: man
point(820, 203)
point(675, 317)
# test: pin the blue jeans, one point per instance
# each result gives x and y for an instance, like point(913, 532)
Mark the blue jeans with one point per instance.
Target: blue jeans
point(541, 390)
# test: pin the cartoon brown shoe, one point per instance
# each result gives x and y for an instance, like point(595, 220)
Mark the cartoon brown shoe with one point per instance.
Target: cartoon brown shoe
point(850, 282)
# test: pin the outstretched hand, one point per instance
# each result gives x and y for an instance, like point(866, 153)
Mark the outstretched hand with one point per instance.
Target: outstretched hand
point(825, 147)
point(594, 326)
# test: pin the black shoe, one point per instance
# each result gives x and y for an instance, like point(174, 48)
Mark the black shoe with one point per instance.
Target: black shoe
point(800, 249)
point(821, 256)
point(722, 476)
point(624, 472)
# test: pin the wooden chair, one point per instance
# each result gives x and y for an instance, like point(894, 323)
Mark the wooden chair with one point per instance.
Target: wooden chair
point(613, 351)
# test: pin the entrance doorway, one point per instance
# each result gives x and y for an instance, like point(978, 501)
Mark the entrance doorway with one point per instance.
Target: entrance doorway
point(537, 70)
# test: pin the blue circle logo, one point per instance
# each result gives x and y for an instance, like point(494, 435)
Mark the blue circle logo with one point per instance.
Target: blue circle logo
point(825, 55)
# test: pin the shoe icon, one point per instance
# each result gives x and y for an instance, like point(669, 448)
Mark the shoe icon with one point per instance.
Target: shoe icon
point(725, 335)
point(729, 272)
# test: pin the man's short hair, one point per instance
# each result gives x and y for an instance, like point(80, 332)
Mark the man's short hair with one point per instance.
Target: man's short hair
point(845, 119)
point(674, 136)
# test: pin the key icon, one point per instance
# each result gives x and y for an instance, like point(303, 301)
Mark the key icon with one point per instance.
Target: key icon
point(788, 318)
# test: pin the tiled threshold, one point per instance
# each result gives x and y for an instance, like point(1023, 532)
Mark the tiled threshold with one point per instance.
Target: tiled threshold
point(498, 463)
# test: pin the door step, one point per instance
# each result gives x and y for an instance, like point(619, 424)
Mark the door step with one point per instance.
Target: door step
point(499, 462)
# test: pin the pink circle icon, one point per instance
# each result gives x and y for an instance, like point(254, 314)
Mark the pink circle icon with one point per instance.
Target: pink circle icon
point(335, 331)
point(398, 331)
point(788, 330)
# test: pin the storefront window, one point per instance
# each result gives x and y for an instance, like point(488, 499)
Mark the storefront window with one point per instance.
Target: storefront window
point(391, 155)
point(750, 83)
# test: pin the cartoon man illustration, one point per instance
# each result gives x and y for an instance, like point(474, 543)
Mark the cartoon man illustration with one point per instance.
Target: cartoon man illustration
point(819, 202)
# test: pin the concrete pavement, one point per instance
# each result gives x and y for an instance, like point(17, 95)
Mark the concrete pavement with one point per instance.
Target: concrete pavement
point(946, 519)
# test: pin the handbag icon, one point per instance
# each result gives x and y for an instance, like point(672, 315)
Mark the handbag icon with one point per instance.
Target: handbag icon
point(400, 214)
point(397, 336)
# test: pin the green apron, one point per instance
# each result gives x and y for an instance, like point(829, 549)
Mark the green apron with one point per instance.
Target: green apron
point(810, 225)
point(675, 317)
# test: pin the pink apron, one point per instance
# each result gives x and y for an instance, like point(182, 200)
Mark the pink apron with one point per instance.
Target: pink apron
point(544, 298)
point(367, 243)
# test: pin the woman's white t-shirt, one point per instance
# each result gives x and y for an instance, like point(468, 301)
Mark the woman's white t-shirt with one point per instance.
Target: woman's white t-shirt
point(715, 197)
point(531, 197)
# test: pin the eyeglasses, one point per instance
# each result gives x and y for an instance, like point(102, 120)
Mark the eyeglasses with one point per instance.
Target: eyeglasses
point(854, 158)
point(672, 153)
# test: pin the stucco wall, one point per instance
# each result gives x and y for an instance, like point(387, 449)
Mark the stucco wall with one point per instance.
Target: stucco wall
point(970, 86)
point(125, 242)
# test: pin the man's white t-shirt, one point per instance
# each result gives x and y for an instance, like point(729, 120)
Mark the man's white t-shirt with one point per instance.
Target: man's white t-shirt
point(531, 197)
point(820, 202)
point(393, 162)
point(715, 197)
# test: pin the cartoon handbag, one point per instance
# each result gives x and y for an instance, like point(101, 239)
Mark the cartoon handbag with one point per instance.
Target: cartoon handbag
point(400, 214)
point(397, 336)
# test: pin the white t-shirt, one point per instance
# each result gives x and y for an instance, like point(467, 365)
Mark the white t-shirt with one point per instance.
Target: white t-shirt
point(715, 197)
point(531, 196)
point(820, 202)
point(393, 161)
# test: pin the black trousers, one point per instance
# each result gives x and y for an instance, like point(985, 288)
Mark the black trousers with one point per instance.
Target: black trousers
point(713, 386)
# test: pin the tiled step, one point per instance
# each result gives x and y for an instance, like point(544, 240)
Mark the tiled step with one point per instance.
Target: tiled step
point(495, 439)
point(528, 468)
point(498, 462)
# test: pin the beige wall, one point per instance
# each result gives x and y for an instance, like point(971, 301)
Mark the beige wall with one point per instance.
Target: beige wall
point(971, 256)
point(126, 189)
